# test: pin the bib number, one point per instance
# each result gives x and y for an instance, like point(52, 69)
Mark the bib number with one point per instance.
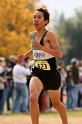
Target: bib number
point(44, 65)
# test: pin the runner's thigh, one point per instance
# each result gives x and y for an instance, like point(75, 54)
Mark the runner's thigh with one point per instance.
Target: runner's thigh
point(35, 85)
point(55, 95)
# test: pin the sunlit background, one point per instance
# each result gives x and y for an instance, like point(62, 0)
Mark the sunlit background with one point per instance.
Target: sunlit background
point(16, 23)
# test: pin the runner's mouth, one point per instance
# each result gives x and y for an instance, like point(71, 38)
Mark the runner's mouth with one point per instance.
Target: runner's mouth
point(36, 24)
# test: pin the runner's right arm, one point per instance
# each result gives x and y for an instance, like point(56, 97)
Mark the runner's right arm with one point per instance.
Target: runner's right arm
point(21, 57)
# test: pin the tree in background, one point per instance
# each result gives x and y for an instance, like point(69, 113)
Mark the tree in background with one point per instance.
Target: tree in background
point(15, 24)
point(70, 36)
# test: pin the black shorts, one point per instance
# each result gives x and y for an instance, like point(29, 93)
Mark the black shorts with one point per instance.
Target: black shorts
point(51, 79)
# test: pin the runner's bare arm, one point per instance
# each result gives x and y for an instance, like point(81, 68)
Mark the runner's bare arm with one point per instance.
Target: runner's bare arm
point(28, 53)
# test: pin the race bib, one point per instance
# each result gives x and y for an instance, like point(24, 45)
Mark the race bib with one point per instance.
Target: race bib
point(41, 55)
point(44, 65)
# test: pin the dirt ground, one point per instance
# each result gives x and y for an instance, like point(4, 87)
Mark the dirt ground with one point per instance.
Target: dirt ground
point(44, 119)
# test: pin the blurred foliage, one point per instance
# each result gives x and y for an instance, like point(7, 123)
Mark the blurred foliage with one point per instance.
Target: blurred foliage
point(16, 21)
point(70, 36)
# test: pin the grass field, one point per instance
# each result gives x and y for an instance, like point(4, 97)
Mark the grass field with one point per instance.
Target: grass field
point(75, 117)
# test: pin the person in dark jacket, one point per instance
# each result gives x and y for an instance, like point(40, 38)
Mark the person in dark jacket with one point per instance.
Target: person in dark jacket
point(75, 73)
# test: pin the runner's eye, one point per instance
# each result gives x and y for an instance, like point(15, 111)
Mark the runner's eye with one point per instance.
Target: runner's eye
point(34, 17)
point(39, 17)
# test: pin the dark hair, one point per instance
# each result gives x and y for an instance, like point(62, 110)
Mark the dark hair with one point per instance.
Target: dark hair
point(45, 13)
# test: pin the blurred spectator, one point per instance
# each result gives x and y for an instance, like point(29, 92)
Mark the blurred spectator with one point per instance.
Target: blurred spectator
point(69, 89)
point(75, 73)
point(80, 95)
point(29, 62)
point(20, 100)
point(11, 64)
point(80, 85)
point(3, 84)
point(75, 70)
point(63, 74)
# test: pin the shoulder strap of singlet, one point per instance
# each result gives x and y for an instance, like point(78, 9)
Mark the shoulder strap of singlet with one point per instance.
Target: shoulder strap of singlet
point(41, 41)
point(34, 36)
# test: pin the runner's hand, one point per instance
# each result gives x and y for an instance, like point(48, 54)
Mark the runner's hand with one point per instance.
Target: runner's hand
point(20, 57)
point(37, 45)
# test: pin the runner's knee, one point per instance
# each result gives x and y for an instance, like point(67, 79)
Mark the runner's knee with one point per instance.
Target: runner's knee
point(33, 98)
point(56, 105)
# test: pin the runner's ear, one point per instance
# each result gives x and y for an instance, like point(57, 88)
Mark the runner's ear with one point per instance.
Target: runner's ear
point(46, 22)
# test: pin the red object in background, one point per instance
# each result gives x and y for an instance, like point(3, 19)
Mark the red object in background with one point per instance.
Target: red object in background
point(44, 103)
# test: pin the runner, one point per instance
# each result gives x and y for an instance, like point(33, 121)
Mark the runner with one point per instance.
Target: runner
point(45, 75)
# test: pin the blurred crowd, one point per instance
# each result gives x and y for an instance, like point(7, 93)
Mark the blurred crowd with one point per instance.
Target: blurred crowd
point(14, 85)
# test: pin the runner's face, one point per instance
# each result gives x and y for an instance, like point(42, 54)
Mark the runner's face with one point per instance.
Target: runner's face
point(38, 20)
